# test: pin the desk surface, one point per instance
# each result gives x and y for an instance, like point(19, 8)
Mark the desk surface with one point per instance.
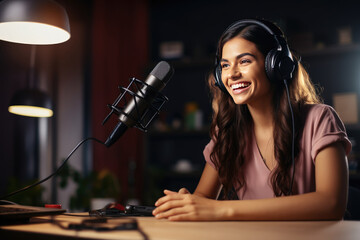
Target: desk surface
point(43, 228)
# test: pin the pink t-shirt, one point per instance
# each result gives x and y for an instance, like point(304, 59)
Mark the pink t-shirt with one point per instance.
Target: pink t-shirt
point(322, 127)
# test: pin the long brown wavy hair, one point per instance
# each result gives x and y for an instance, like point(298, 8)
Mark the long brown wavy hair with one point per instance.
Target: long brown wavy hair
point(229, 119)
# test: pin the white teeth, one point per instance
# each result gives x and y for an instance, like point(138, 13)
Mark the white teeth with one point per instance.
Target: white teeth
point(239, 85)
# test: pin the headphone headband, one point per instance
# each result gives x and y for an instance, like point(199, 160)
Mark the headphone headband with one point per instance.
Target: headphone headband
point(268, 26)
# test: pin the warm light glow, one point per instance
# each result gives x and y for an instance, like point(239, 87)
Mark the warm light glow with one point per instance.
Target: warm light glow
point(30, 111)
point(32, 33)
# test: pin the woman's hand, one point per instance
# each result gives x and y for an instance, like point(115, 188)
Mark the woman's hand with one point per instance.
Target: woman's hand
point(179, 206)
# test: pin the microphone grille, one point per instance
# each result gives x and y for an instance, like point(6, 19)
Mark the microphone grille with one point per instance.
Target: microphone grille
point(163, 71)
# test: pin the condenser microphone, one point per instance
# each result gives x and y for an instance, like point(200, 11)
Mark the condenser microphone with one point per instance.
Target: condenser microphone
point(139, 104)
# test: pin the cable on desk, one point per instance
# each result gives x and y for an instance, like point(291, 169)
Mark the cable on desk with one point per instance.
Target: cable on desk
point(102, 225)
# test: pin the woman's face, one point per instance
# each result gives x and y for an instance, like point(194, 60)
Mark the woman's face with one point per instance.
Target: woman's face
point(243, 72)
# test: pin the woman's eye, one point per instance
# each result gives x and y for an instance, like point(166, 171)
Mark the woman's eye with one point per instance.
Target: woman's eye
point(224, 65)
point(244, 61)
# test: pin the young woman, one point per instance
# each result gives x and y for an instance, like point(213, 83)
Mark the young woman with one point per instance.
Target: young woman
point(274, 145)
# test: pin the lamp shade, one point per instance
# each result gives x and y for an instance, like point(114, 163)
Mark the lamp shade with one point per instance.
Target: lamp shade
point(39, 22)
point(31, 103)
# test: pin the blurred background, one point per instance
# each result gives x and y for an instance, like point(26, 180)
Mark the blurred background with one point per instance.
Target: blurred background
point(112, 41)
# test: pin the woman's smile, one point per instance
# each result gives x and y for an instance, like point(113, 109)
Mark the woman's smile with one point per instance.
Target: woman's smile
point(240, 87)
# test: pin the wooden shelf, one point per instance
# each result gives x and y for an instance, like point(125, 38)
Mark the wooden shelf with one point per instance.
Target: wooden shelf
point(179, 133)
point(331, 50)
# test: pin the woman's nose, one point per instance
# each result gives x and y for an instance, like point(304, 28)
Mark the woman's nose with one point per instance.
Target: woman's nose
point(234, 72)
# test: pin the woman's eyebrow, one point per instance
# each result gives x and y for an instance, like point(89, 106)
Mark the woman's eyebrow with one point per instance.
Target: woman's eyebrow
point(239, 56)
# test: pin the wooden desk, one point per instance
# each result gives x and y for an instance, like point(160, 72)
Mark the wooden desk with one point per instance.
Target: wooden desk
point(42, 228)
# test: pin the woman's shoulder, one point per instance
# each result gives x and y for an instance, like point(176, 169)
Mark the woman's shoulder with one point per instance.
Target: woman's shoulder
point(321, 116)
point(324, 126)
point(318, 111)
point(317, 108)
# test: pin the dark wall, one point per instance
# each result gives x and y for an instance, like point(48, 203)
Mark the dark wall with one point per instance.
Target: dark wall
point(13, 70)
point(202, 22)
point(311, 28)
point(19, 145)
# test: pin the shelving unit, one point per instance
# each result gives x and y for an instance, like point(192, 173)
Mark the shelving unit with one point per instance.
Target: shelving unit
point(331, 50)
point(167, 149)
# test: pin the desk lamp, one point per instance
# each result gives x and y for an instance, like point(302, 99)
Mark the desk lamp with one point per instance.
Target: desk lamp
point(36, 22)
point(40, 22)
point(31, 103)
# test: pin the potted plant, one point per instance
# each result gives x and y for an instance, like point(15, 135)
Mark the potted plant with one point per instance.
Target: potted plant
point(97, 186)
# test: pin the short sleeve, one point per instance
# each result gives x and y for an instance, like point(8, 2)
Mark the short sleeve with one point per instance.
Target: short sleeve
point(207, 151)
point(327, 128)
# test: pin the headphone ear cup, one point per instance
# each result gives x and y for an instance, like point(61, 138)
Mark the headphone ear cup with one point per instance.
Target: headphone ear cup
point(217, 77)
point(278, 66)
point(270, 65)
point(286, 67)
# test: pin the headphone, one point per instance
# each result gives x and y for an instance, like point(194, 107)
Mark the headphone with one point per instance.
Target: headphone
point(279, 63)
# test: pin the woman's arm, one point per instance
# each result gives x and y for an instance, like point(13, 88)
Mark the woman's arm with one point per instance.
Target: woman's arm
point(209, 184)
point(327, 202)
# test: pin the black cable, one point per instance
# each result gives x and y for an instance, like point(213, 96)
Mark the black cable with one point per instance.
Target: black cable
point(100, 225)
point(6, 202)
point(54, 173)
point(293, 138)
point(142, 233)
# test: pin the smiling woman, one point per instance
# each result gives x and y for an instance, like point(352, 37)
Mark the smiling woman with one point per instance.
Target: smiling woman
point(243, 65)
point(274, 146)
